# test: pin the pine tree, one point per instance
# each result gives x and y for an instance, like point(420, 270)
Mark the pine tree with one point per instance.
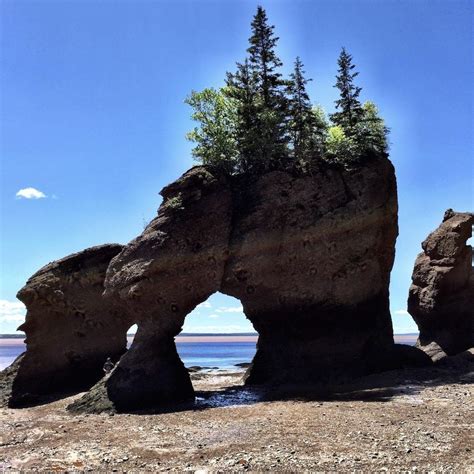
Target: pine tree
point(270, 103)
point(302, 121)
point(371, 132)
point(241, 87)
point(349, 108)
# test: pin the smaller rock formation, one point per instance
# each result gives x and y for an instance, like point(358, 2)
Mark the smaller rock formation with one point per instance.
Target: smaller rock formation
point(441, 297)
point(70, 330)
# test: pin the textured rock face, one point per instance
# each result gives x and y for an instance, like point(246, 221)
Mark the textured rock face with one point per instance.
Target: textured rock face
point(308, 257)
point(70, 330)
point(441, 297)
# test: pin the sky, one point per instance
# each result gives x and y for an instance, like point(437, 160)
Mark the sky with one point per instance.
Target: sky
point(93, 119)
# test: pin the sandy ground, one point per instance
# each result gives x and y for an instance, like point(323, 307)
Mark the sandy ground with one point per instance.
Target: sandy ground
point(417, 421)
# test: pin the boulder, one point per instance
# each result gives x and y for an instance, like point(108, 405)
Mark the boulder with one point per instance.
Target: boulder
point(441, 297)
point(70, 329)
point(309, 257)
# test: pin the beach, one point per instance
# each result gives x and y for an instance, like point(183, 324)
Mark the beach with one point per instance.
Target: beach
point(417, 420)
point(411, 420)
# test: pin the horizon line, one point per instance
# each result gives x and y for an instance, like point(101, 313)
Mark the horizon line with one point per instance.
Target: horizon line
point(187, 334)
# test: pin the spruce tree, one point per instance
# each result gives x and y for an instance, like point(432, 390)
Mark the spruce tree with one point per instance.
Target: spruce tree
point(271, 106)
point(302, 120)
point(349, 109)
point(241, 87)
point(371, 134)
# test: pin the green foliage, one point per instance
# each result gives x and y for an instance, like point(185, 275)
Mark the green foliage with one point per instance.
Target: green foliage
point(368, 139)
point(241, 88)
point(302, 125)
point(340, 148)
point(320, 130)
point(371, 131)
point(349, 109)
point(260, 122)
point(175, 202)
point(215, 137)
point(269, 101)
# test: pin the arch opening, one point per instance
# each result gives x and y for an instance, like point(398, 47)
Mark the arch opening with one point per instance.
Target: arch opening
point(131, 332)
point(217, 343)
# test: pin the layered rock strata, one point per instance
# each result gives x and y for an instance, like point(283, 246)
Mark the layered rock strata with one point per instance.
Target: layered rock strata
point(441, 297)
point(309, 257)
point(70, 329)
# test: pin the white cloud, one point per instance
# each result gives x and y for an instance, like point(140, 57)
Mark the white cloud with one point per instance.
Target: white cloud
point(12, 311)
point(214, 316)
point(30, 193)
point(230, 309)
point(215, 329)
point(405, 328)
point(206, 304)
point(401, 311)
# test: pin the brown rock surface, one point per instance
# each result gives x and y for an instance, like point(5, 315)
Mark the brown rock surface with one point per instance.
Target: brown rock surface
point(70, 330)
point(309, 258)
point(441, 297)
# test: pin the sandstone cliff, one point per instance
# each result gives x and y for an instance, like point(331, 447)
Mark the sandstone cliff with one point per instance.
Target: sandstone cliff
point(441, 297)
point(309, 257)
point(70, 329)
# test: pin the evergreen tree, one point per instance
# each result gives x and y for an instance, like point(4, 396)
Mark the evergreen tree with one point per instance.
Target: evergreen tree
point(320, 130)
point(241, 87)
point(302, 121)
point(371, 132)
point(270, 103)
point(349, 109)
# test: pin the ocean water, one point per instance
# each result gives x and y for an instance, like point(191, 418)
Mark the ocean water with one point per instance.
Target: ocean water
point(206, 354)
point(9, 352)
point(220, 355)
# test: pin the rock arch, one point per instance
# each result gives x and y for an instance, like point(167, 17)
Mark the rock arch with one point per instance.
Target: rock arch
point(309, 257)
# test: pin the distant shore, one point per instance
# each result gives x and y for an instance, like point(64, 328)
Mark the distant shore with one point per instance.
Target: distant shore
point(13, 339)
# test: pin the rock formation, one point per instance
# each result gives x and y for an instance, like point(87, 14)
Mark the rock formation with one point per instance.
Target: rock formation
point(441, 297)
point(309, 257)
point(70, 329)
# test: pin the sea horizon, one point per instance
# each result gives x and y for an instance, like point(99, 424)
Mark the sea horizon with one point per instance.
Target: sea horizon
point(400, 338)
point(217, 351)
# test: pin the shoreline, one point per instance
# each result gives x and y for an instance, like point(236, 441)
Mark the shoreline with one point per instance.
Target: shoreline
point(409, 339)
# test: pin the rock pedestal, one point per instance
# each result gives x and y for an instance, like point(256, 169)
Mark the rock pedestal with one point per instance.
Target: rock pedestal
point(70, 330)
point(441, 297)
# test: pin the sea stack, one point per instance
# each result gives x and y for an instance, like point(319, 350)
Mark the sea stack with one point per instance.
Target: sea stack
point(441, 297)
point(70, 329)
point(309, 257)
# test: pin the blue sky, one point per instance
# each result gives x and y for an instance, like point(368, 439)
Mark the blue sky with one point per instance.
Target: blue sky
point(92, 115)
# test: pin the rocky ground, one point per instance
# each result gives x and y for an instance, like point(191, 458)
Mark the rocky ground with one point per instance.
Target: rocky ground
point(419, 420)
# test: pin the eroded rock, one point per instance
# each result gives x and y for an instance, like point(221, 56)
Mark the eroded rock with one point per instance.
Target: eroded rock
point(441, 297)
point(70, 329)
point(309, 258)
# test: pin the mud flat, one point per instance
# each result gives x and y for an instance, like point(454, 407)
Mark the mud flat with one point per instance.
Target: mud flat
point(419, 419)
